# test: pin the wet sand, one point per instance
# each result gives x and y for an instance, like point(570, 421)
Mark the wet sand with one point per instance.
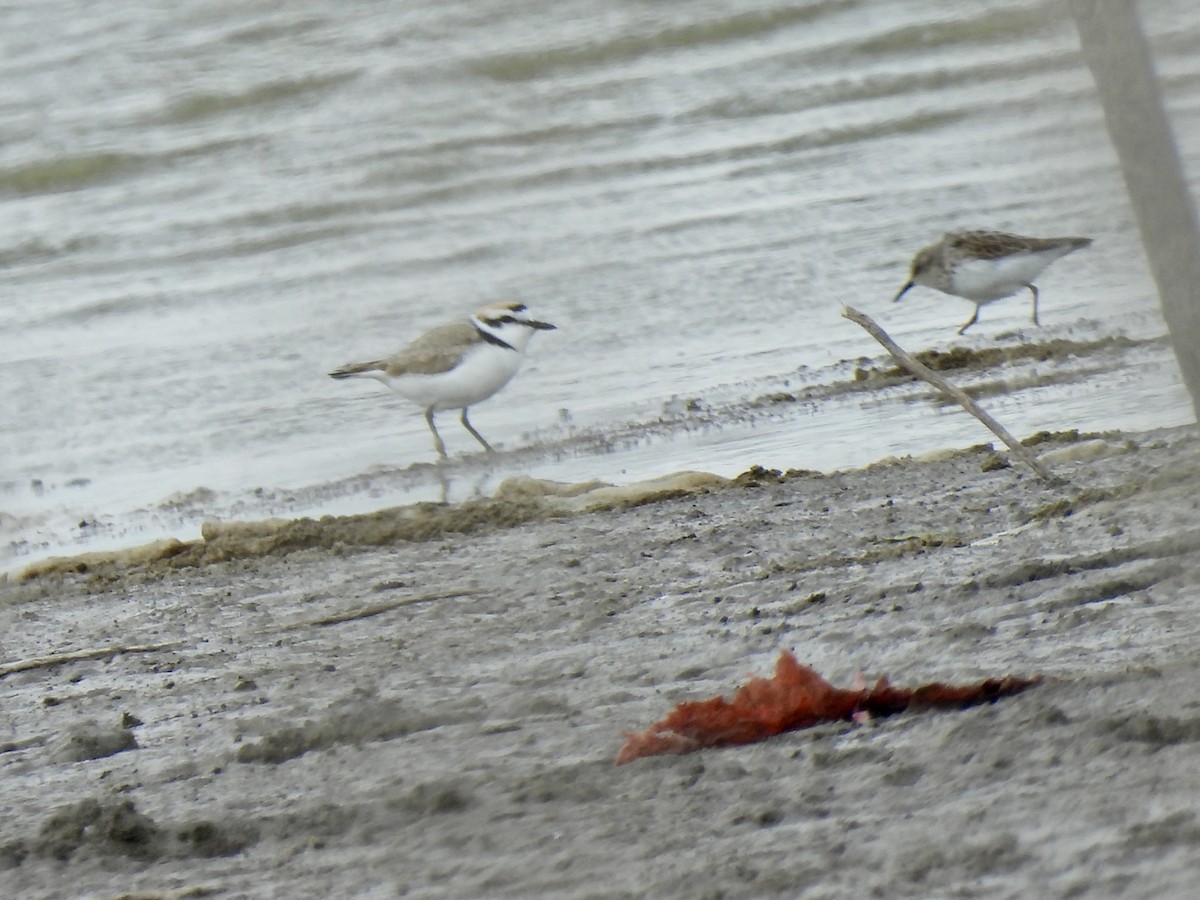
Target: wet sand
point(332, 709)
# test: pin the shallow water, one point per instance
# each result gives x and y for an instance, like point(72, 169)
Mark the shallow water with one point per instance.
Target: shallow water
point(208, 208)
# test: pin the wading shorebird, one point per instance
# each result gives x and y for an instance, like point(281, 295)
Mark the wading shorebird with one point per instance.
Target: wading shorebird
point(456, 365)
point(982, 266)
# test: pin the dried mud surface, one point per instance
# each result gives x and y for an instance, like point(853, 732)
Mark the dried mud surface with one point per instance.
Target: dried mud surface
point(435, 713)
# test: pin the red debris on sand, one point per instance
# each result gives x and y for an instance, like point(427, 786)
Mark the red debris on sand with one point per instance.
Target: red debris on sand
point(797, 697)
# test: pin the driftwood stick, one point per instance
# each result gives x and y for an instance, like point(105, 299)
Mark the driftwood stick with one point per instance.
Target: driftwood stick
point(43, 662)
point(378, 609)
point(923, 371)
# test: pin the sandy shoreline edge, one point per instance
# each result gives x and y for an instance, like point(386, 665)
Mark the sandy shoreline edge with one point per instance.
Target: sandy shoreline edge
point(439, 716)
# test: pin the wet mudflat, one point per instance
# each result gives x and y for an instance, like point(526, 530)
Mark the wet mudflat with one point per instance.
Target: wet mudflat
point(438, 716)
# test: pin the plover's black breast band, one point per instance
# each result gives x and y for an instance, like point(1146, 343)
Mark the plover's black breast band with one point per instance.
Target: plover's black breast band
point(492, 339)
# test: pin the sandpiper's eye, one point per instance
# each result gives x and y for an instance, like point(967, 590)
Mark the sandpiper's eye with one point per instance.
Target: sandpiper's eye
point(507, 320)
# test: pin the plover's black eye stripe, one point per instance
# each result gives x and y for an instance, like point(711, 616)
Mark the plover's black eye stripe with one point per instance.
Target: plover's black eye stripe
point(501, 320)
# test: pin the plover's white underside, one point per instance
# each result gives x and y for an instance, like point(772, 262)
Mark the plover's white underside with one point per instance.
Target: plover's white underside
point(983, 266)
point(456, 365)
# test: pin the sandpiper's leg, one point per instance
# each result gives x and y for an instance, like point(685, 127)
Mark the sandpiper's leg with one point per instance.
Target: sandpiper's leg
point(971, 321)
point(478, 436)
point(1033, 290)
point(437, 438)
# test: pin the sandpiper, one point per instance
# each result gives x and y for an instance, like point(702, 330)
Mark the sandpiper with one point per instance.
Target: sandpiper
point(456, 365)
point(982, 266)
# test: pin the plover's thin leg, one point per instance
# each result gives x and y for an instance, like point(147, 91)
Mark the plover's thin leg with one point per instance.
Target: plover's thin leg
point(971, 321)
point(478, 436)
point(444, 483)
point(1033, 289)
point(437, 438)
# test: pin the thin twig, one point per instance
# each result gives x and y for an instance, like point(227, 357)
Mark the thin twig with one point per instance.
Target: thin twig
point(923, 371)
point(42, 662)
point(379, 609)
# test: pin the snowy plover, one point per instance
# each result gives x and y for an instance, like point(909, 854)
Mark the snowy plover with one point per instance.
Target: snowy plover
point(982, 266)
point(456, 364)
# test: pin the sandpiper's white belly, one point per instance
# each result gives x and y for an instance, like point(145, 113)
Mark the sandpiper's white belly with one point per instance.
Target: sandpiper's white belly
point(485, 370)
point(984, 280)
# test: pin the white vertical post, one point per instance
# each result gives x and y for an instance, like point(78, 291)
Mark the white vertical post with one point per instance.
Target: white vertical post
point(1116, 52)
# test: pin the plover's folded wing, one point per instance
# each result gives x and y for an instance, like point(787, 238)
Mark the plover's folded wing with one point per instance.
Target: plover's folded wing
point(435, 352)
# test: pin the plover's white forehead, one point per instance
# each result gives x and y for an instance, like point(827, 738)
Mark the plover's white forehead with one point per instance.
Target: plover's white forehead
point(496, 310)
